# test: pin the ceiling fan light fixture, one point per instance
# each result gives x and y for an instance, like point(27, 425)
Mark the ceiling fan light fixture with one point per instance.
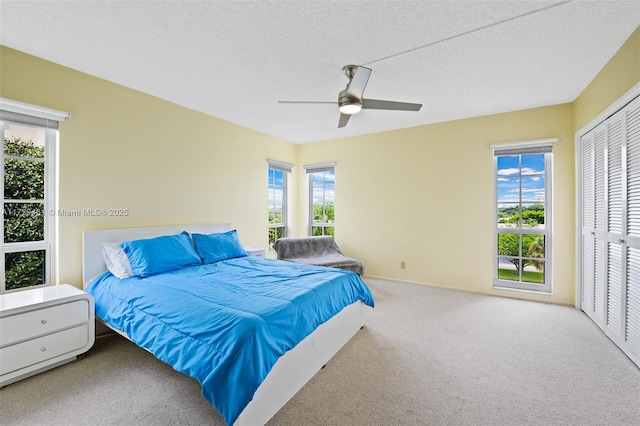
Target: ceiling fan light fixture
point(351, 107)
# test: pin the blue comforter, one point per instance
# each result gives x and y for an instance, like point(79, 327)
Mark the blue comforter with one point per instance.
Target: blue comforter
point(226, 324)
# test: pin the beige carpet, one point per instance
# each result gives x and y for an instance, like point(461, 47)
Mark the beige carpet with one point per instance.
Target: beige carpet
point(428, 356)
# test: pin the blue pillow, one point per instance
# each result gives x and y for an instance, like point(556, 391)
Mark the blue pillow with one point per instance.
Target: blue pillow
point(161, 254)
point(215, 247)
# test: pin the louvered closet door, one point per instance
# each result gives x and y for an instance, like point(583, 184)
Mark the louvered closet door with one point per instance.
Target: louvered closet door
point(610, 221)
point(614, 237)
point(588, 225)
point(600, 222)
point(631, 317)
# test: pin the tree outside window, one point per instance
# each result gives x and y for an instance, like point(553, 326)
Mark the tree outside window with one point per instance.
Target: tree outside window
point(24, 208)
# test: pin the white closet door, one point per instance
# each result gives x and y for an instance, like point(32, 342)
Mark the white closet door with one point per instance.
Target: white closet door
point(632, 326)
point(587, 239)
point(609, 217)
point(633, 172)
point(614, 197)
point(614, 291)
point(600, 222)
point(632, 283)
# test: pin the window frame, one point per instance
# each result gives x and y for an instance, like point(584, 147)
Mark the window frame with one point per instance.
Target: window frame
point(286, 168)
point(311, 170)
point(27, 115)
point(543, 146)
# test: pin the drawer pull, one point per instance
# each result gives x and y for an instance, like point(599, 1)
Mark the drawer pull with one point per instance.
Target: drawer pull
point(43, 322)
point(42, 349)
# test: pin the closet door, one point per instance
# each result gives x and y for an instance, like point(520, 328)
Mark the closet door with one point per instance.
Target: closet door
point(631, 299)
point(609, 163)
point(600, 223)
point(614, 235)
point(587, 267)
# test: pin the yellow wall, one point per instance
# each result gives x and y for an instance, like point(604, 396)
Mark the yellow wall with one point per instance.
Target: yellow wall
point(424, 196)
point(620, 74)
point(124, 149)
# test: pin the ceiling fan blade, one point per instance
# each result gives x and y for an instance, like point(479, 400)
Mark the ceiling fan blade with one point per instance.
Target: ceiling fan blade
point(358, 82)
point(400, 106)
point(308, 102)
point(344, 119)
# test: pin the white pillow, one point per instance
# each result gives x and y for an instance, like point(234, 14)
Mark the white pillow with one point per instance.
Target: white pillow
point(116, 260)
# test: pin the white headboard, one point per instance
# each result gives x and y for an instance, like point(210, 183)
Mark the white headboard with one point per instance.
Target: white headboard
point(92, 263)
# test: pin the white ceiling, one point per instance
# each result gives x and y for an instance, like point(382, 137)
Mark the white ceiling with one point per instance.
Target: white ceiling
point(235, 60)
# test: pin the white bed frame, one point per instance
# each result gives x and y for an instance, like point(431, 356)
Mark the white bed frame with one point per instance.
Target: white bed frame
point(292, 371)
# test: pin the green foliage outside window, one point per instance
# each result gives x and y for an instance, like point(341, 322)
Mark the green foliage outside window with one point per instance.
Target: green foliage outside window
point(277, 230)
point(323, 230)
point(532, 216)
point(323, 214)
point(275, 217)
point(24, 269)
point(275, 233)
point(24, 181)
point(532, 248)
point(532, 244)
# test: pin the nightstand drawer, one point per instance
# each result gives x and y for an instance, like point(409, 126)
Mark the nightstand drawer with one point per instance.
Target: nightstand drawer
point(43, 348)
point(25, 325)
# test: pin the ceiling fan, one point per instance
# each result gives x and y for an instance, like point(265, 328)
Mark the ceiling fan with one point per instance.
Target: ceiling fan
point(350, 100)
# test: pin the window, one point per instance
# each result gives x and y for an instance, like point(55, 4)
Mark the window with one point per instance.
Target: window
point(29, 195)
point(523, 216)
point(321, 199)
point(278, 199)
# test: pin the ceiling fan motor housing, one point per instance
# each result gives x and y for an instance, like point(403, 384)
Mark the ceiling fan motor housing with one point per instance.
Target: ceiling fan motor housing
point(347, 103)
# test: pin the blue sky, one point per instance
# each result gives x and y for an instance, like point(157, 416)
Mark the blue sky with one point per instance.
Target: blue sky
point(326, 194)
point(276, 182)
point(511, 173)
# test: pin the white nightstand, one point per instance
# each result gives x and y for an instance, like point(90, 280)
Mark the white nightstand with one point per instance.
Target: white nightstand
point(255, 251)
point(43, 328)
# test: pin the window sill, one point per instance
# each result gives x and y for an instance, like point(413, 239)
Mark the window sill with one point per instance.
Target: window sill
point(502, 285)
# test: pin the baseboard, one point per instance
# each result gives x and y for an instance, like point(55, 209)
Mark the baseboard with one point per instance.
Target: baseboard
point(510, 294)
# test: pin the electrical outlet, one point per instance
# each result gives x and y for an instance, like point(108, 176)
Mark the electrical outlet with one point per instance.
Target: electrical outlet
point(403, 265)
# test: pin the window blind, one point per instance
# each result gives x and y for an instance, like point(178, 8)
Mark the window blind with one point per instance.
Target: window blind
point(30, 115)
point(523, 147)
point(314, 168)
point(280, 165)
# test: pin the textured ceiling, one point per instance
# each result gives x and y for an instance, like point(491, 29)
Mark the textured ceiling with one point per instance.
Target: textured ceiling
point(235, 60)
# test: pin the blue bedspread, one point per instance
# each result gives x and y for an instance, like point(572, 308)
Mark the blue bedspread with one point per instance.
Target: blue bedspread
point(226, 324)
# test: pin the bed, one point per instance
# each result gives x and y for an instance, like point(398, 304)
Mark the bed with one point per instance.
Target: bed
point(285, 320)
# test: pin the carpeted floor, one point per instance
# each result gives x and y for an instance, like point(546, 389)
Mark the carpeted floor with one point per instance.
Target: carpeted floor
point(427, 356)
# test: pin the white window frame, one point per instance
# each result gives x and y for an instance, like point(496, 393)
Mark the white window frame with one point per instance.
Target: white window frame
point(542, 146)
point(311, 169)
point(286, 168)
point(23, 114)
